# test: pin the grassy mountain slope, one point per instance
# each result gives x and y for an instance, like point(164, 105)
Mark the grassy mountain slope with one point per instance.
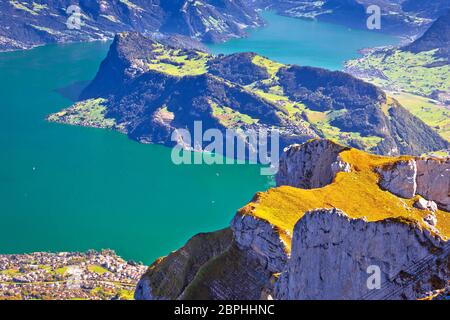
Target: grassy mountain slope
point(396, 18)
point(25, 24)
point(149, 89)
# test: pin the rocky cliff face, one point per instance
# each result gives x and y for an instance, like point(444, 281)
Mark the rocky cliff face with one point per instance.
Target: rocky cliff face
point(246, 270)
point(313, 165)
point(168, 277)
point(429, 178)
point(215, 266)
point(284, 246)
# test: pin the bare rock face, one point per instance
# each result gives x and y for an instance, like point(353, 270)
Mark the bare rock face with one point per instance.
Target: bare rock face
point(311, 165)
point(144, 290)
point(245, 270)
point(433, 181)
point(331, 256)
point(429, 178)
point(400, 179)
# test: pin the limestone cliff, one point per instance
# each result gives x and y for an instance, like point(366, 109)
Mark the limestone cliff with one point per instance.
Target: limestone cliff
point(167, 277)
point(313, 165)
point(26, 24)
point(330, 218)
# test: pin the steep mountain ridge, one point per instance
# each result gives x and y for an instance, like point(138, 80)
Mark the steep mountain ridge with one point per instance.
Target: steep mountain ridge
point(147, 90)
point(317, 243)
point(424, 8)
point(437, 37)
point(25, 24)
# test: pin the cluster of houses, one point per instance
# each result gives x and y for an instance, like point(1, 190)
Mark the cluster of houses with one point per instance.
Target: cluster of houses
point(68, 275)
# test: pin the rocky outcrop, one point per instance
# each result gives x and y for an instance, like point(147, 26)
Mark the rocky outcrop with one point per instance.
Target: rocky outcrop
point(333, 255)
point(168, 277)
point(429, 178)
point(218, 266)
point(260, 237)
point(431, 218)
point(234, 275)
point(309, 166)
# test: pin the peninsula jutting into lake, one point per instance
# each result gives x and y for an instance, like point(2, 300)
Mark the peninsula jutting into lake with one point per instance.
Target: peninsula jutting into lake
point(95, 90)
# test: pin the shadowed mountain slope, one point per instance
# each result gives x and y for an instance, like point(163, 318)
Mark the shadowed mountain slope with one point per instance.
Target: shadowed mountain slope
point(147, 90)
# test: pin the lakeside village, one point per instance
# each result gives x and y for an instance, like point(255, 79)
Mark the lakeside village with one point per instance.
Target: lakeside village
point(93, 275)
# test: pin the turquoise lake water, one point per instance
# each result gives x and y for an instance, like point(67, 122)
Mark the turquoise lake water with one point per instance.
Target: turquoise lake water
point(67, 188)
point(305, 42)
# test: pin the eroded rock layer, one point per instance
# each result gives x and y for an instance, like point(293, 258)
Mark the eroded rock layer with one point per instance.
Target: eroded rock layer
point(410, 260)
